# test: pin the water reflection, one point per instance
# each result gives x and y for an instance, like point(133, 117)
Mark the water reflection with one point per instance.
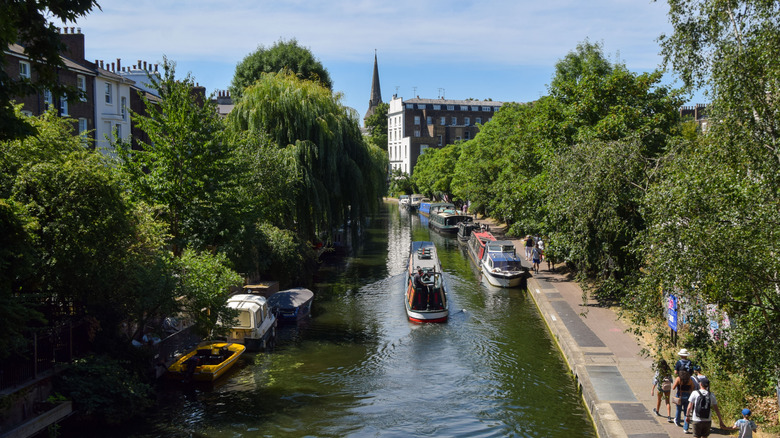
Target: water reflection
point(359, 368)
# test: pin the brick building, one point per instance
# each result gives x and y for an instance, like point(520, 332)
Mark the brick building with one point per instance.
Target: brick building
point(417, 124)
point(78, 73)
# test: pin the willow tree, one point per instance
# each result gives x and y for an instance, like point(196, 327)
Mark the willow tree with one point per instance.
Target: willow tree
point(340, 177)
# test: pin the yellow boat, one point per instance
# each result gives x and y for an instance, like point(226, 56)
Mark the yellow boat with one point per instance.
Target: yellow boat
point(207, 362)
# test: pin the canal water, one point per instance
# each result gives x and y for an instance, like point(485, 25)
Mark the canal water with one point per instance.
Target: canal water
point(359, 368)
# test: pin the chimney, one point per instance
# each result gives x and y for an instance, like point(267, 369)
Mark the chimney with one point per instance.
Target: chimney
point(144, 65)
point(139, 64)
point(118, 64)
point(155, 68)
point(113, 67)
point(101, 64)
point(74, 44)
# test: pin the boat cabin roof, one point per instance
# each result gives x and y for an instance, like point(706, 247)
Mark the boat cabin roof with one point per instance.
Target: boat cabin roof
point(424, 256)
point(290, 298)
point(246, 302)
point(501, 245)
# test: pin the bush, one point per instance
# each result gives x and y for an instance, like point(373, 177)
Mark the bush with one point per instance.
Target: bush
point(103, 389)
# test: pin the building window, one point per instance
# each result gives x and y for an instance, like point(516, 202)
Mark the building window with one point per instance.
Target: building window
point(416, 132)
point(467, 134)
point(464, 107)
point(454, 121)
point(24, 69)
point(109, 94)
point(124, 108)
point(475, 108)
point(81, 83)
point(450, 107)
point(466, 121)
point(27, 113)
point(63, 106)
point(47, 98)
point(416, 120)
point(409, 106)
point(429, 120)
point(83, 127)
point(421, 106)
point(437, 107)
point(118, 131)
point(485, 108)
point(440, 140)
point(443, 121)
point(478, 120)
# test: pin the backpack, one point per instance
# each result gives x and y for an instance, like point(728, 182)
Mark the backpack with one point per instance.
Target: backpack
point(685, 371)
point(703, 405)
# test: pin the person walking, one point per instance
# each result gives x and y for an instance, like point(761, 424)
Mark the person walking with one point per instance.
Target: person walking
point(662, 383)
point(682, 387)
point(536, 258)
point(744, 425)
point(701, 419)
point(697, 375)
point(529, 245)
point(683, 362)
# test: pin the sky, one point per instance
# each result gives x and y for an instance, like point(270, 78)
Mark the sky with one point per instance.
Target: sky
point(504, 50)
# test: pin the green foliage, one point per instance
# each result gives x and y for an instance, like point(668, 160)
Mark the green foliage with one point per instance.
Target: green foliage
point(104, 389)
point(18, 261)
point(185, 167)
point(376, 124)
point(594, 215)
point(434, 170)
point(340, 177)
point(31, 23)
point(283, 55)
point(204, 281)
point(401, 184)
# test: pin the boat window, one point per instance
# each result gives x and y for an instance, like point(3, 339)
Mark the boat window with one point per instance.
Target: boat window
point(259, 317)
point(244, 319)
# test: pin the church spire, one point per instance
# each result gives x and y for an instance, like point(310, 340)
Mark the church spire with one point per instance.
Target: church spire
point(376, 92)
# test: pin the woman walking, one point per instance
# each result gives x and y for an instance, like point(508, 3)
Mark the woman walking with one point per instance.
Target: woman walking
point(662, 383)
point(683, 386)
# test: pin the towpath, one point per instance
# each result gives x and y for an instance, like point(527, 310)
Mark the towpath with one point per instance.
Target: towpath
point(613, 375)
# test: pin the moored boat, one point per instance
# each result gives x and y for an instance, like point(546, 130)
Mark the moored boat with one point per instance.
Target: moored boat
point(206, 363)
point(501, 265)
point(255, 324)
point(465, 228)
point(426, 297)
point(403, 201)
point(415, 200)
point(477, 246)
point(291, 305)
point(445, 218)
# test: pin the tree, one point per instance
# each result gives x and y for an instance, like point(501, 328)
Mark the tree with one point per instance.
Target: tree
point(376, 124)
point(341, 178)
point(29, 23)
point(401, 183)
point(712, 217)
point(204, 280)
point(185, 167)
point(434, 170)
point(283, 55)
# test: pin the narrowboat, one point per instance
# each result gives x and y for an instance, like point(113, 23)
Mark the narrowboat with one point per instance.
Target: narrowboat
point(445, 219)
point(465, 228)
point(426, 297)
point(477, 246)
point(415, 200)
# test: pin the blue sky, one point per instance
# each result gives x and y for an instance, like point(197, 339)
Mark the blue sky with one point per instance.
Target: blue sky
point(504, 50)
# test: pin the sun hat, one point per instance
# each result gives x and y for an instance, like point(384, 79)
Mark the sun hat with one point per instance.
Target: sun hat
point(746, 411)
point(683, 352)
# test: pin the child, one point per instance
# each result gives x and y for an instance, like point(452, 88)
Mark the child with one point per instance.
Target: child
point(663, 384)
point(745, 425)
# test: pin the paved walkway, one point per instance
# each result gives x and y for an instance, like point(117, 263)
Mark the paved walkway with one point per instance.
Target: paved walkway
point(614, 377)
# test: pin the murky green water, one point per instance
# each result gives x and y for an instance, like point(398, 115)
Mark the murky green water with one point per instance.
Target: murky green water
point(359, 368)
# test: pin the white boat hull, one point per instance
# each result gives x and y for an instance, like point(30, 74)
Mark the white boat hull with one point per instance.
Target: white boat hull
point(503, 279)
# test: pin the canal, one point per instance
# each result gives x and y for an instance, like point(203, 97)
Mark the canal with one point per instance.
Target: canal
point(359, 368)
